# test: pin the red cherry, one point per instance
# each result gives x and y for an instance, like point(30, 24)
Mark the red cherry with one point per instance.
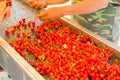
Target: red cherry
point(116, 60)
point(13, 31)
point(7, 32)
point(33, 23)
point(23, 19)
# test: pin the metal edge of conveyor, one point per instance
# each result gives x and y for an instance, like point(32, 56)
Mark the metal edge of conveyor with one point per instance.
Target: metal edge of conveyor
point(15, 65)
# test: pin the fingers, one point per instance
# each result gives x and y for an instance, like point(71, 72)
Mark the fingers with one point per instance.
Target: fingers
point(33, 4)
point(37, 7)
point(2, 5)
point(37, 4)
point(7, 12)
point(44, 17)
point(47, 21)
point(31, 1)
point(50, 14)
point(4, 10)
point(42, 14)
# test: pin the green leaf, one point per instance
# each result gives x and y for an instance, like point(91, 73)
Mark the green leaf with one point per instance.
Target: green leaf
point(80, 33)
point(55, 46)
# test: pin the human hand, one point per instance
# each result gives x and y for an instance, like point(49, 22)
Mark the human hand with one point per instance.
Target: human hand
point(4, 10)
point(8, 2)
point(38, 4)
point(51, 14)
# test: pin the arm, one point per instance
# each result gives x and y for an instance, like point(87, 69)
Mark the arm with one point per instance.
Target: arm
point(50, 2)
point(38, 4)
point(85, 7)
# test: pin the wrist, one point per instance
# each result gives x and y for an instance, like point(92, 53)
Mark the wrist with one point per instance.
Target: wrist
point(65, 11)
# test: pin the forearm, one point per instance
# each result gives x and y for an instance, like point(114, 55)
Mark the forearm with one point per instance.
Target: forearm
point(50, 2)
point(85, 7)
